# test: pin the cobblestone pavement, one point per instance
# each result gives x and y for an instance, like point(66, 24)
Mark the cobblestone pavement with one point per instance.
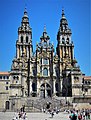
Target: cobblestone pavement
point(35, 116)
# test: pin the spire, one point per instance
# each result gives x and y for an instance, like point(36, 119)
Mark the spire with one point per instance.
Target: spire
point(25, 13)
point(25, 17)
point(44, 28)
point(63, 19)
point(25, 22)
point(45, 34)
point(63, 15)
point(64, 24)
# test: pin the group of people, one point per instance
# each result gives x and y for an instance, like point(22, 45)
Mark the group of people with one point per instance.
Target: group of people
point(21, 115)
point(52, 112)
point(80, 115)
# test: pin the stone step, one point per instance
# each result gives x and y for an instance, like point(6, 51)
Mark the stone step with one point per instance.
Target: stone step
point(39, 103)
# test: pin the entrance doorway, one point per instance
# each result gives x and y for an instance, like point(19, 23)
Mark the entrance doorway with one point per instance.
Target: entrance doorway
point(7, 104)
point(45, 90)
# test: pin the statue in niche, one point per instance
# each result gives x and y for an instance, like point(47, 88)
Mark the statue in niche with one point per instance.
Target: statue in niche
point(15, 65)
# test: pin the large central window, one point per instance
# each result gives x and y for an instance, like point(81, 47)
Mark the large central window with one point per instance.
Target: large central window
point(45, 61)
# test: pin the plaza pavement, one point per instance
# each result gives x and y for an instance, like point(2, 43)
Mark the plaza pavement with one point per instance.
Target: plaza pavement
point(36, 116)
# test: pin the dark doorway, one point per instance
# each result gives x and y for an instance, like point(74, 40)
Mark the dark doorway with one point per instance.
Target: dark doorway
point(45, 90)
point(42, 90)
point(48, 89)
point(7, 104)
point(49, 93)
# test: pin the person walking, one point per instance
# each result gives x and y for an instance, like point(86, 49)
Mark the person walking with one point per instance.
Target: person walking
point(73, 116)
point(80, 116)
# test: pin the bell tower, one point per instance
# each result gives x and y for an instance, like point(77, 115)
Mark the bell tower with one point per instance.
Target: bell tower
point(24, 43)
point(67, 64)
point(65, 52)
point(65, 45)
point(20, 69)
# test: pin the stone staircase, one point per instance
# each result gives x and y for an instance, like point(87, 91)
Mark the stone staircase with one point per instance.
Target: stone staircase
point(37, 104)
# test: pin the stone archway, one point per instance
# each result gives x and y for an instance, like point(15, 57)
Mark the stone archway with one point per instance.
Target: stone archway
point(45, 90)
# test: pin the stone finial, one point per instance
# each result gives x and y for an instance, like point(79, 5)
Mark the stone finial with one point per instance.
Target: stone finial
point(63, 15)
point(44, 28)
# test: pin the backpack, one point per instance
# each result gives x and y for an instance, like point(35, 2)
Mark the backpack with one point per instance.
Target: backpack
point(79, 116)
point(74, 117)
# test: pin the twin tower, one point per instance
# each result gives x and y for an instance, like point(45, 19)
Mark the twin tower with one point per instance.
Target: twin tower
point(44, 73)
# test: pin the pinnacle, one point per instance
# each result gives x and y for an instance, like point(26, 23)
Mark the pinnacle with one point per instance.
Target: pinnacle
point(44, 28)
point(25, 13)
point(63, 15)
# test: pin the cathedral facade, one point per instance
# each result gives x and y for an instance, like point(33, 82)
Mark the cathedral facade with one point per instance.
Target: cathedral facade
point(43, 73)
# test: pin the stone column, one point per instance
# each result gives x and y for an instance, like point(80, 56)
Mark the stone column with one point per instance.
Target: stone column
point(38, 88)
point(72, 53)
point(45, 90)
point(22, 84)
point(24, 49)
point(30, 87)
point(63, 50)
point(61, 85)
point(20, 51)
point(54, 89)
point(69, 52)
point(27, 52)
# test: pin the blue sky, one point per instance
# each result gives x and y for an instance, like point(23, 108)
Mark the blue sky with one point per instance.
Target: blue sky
point(46, 12)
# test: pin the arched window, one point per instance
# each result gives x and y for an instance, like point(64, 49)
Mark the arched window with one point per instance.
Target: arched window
point(67, 40)
point(63, 40)
point(26, 39)
point(45, 72)
point(21, 39)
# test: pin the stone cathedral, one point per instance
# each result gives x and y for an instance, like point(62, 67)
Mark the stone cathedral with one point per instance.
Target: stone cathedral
point(42, 73)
